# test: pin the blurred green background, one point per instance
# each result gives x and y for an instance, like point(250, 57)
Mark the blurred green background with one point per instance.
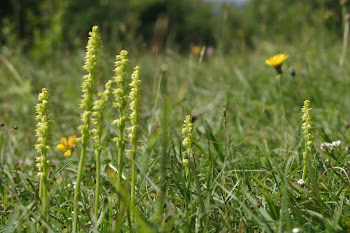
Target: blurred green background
point(41, 28)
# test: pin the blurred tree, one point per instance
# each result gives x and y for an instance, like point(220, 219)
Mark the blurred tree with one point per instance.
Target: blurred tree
point(189, 21)
point(41, 27)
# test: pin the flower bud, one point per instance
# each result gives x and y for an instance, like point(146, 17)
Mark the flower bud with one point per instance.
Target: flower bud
point(186, 162)
point(292, 71)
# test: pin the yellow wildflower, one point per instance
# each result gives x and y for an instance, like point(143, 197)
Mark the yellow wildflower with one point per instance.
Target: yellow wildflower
point(196, 49)
point(67, 146)
point(277, 60)
point(329, 14)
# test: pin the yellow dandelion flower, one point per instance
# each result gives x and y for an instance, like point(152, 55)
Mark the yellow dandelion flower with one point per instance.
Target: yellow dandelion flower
point(277, 60)
point(67, 146)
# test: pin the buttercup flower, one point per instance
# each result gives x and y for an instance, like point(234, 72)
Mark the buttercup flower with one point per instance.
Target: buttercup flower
point(277, 61)
point(67, 147)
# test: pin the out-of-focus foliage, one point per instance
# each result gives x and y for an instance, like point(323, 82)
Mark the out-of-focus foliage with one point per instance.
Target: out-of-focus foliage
point(43, 26)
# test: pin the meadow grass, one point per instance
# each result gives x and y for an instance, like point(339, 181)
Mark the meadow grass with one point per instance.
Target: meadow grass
point(241, 173)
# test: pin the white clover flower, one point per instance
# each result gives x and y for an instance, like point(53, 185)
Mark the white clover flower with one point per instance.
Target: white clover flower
point(330, 145)
point(325, 145)
point(73, 183)
point(301, 182)
point(336, 143)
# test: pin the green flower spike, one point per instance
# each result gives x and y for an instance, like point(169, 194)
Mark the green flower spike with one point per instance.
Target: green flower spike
point(88, 88)
point(187, 142)
point(97, 117)
point(43, 145)
point(134, 98)
point(120, 103)
point(89, 84)
point(120, 93)
point(307, 127)
point(97, 114)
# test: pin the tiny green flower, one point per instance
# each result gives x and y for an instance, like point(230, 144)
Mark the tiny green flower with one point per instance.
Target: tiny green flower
point(97, 118)
point(89, 84)
point(187, 132)
point(307, 127)
point(120, 74)
point(120, 103)
point(88, 88)
point(97, 114)
point(43, 128)
point(120, 95)
point(43, 145)
point(134, 97)
point(187, 142)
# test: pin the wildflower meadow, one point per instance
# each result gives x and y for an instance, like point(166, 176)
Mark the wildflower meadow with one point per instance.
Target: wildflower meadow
point(243, 127)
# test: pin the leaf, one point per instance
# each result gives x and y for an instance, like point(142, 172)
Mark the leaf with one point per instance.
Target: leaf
point(60, 169)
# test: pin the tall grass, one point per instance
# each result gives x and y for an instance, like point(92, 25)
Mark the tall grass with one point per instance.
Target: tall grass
point(240, 173)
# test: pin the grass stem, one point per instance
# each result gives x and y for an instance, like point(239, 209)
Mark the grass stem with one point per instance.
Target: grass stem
point(282, 104)
point(98, 183)
point(77, 187)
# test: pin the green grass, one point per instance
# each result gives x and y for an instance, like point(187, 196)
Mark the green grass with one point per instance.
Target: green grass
point(246, 173)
